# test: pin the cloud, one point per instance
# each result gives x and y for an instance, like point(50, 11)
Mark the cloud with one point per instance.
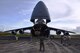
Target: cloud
point(6, 27)
point(19, 24)
point(60, 11)
point(1, 28)
point(77, 30)
point(64, 13)
point(25, 12)
point(23, 23)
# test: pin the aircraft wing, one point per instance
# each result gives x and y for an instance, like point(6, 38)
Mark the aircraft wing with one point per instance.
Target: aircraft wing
point(25, 28)
point(55, 29)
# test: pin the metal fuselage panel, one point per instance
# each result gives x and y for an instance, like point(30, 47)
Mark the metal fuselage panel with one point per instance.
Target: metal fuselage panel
point(40, 12)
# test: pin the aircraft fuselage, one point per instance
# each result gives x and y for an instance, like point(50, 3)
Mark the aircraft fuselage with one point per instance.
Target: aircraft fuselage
point(40, 29)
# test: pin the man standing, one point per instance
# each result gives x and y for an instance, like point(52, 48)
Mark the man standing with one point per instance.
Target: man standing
point(42, 44)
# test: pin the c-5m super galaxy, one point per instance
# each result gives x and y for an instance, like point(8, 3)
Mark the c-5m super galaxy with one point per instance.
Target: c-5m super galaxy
point(40, 17)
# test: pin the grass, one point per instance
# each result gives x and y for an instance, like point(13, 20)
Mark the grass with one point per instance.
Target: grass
point(23, 35)
point(5, 34)
point(18, 35)
point(7, 41)
point(27, 35)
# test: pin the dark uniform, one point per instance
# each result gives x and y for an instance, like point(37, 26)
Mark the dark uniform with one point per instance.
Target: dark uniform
point(51, 37)
point(65, 40)
point(62, 39)
point(42, 44)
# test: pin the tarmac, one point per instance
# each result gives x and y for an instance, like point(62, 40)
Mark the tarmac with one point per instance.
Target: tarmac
point(28, 46)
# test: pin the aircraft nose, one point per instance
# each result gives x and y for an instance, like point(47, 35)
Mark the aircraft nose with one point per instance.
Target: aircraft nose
point(40, 2)
point(40, 12)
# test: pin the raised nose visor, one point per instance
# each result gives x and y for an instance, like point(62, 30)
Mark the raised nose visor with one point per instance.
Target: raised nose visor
point(40, 12)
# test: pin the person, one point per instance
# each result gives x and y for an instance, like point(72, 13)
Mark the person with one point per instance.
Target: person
point(65, 39)
point(42, 44)
point(61, 39)
point(51, 37)
point(69, 40)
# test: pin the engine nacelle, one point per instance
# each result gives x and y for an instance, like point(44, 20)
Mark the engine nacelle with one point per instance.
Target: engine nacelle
point(40, 30)
point(13, 32)
point(66, 33)
point(21, 31)
point(58, 32)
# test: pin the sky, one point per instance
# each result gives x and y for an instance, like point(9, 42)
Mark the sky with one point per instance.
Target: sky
point(64, 14)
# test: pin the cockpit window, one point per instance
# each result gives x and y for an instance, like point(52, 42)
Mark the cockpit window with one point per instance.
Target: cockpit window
point(40, 21)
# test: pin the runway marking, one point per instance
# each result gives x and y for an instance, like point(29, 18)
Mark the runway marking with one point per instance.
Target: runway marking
point(33, 47)
point(75, 50)
point(17, 46)
point(57, 47)
point(51, 48)
point(71, 47)
point(64, 47)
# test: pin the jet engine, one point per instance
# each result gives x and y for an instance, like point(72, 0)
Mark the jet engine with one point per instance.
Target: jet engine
point(21, 31)
point(40, 30)
point(65, 33)
point(58, 32)
point(13, 32)
point(36, 30)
